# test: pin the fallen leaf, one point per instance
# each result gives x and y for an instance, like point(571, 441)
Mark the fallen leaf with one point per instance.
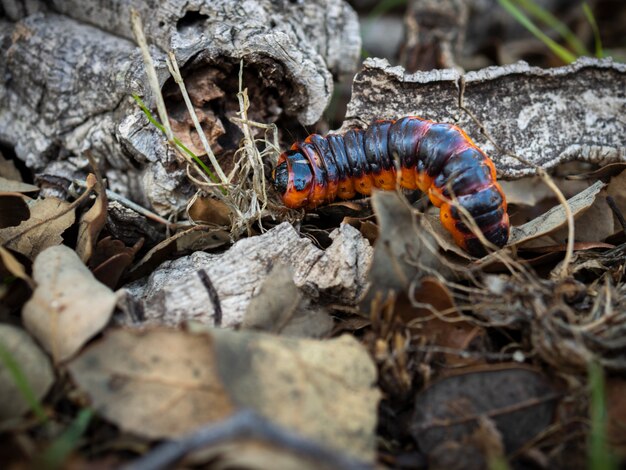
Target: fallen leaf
point(163, 383)
point(603, 173)
point(91, 223)
point(14, 267)
point(433, 226)
point(403, 253)
point(593, 225)
point(68, 306)
point(555, 217)
point(617, 190)
point(280, 308)
point(14, 209)
point(518, 399)
point(8, 169)
point(206, 210)
point(455, 334)
point(526, 191)
point(33, 364)
point(322, 389)
point(13, 186)
point(111, 259)
point(158, 384)
point(49, 218)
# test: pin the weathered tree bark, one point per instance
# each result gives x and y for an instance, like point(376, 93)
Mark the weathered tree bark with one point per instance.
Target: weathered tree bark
point(175, 292)
point(546, 116)
point(70, 75)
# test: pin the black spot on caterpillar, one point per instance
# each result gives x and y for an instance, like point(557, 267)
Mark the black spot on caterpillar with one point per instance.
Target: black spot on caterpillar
point(437, 158)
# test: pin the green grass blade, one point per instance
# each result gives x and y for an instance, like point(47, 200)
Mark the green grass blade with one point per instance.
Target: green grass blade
point(561, 52)
point(383, 7)
point(178, 143)
point(22, 383)
point(61, 448)
point(596, 31)
point(551, 21)
point(599, 456)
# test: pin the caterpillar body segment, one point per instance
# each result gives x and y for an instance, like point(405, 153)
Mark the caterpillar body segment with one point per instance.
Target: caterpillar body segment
point(437, 158)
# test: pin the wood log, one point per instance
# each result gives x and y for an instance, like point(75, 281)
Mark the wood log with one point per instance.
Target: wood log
point(69, 76)
point(175, 292)
point(546, 116)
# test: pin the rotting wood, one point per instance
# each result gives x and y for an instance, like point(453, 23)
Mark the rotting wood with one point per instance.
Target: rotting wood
point(67, 78)
point(175, 292)
point(546, 116)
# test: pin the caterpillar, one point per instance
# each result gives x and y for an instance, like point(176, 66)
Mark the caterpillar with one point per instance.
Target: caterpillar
point(438, 158)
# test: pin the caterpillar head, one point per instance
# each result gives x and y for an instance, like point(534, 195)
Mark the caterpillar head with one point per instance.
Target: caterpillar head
point(293, 179)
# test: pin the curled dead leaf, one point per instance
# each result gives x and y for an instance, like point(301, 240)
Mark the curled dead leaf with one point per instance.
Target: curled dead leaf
point(403, 253)
point(91, 223)
point(555, 217)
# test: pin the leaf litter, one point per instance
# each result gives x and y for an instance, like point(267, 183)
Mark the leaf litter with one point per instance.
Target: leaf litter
point(472, 360)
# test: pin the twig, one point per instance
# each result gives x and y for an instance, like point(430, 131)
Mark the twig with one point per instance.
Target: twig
point(244, 425)
point(150, 71)
point(113, 196)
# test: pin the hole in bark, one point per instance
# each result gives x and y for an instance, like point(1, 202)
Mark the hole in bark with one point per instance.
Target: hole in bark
point(213, 88)
point(191, 20)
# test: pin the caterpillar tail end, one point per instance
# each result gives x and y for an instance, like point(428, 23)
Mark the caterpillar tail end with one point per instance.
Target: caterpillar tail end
point(497, 234)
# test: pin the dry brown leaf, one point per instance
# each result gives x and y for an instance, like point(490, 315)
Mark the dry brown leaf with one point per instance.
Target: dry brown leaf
point(111, 259)
point(206, 210)
point(14, 209)
point(322, 389)
point(8, 169)
point(526, 191)
point(432, 224)
point(13, 266)
point(159, 383)
point(456, 335)
point(13, 186)
point(164, 383)
point(34, 365)
point(555, 217)
point(91, 223)
point(279, 307)
point(403, 252)
point(69, 306)
point(49, 218)
point(518, 399)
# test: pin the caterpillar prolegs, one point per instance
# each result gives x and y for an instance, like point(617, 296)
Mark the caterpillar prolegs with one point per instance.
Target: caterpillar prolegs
point(437, 158)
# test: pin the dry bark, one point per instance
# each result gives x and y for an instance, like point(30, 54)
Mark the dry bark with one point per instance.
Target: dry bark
point(176, 291)
point(546, 116)
point(69, 77)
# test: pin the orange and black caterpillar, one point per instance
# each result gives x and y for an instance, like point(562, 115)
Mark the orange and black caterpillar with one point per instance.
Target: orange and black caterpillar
point(437, 158)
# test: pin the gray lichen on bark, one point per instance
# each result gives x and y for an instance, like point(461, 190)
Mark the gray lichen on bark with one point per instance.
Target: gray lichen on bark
point(69, 76)
point(175, 293)
point(546, 116)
